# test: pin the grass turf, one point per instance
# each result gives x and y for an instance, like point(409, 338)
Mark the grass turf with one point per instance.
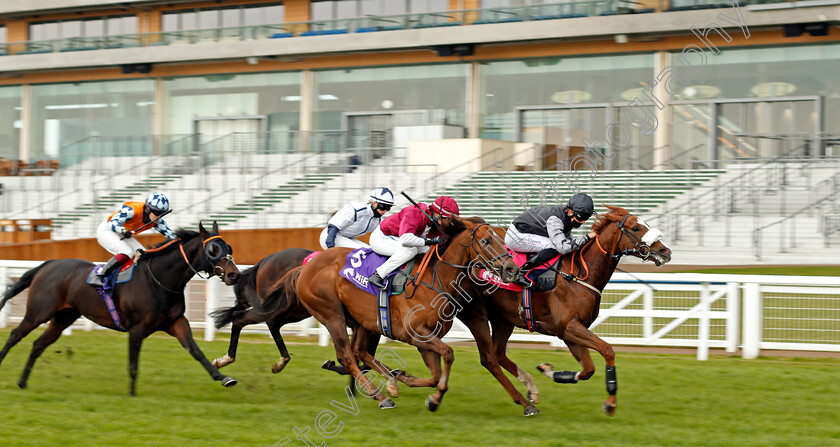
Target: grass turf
point(77, 396)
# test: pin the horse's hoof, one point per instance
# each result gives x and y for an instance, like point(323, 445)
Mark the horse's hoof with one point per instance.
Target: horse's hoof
point(223, 361)
point(431, 405)
point(328, 365)
point(609, 409)
point(393, 388)
point(228, 382)
point(396, 372)
point(277, 367)
point(387, 404)
point(531, 410)
point(22, 385)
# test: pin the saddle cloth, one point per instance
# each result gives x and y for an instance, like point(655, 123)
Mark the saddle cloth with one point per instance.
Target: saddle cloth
point(124, 274)
point(363, 262)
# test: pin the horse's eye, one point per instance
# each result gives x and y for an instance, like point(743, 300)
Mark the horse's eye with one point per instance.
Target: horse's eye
point(485, 242)
point(636, 228)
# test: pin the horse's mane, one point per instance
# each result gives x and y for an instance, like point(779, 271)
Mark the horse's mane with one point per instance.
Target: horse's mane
point(181, 233)
point(615, 214)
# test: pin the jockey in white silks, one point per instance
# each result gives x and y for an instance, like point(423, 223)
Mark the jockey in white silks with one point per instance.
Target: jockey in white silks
point(356, 219)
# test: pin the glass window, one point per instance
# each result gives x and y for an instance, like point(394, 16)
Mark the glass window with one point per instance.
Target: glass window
point(93, 28)
point(231, 18)
point(70, 29)
point(3, 36)
point(254, 16)
point(346, 9)
point(208, 19)
point(273, 15)
point(435, 92)
point(418, 6)
point(322, 10)
point(66, 116)
point(121, 25)
point(10, 121)
point(170, 23)
point(555, 82)
point(276, 95)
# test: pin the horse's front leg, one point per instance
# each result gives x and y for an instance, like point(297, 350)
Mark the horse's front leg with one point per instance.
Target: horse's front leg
point(180, 329)
point(136, 334)
point(580, 339)
point(502, 330)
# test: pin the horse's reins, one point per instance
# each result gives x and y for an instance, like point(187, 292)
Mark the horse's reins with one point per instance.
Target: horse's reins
point(220, 272)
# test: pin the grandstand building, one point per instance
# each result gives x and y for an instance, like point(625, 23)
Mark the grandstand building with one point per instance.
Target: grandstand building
point(717, 121)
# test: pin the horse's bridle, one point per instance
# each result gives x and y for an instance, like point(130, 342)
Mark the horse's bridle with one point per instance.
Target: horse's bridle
point(217, 270)
point(641, 245)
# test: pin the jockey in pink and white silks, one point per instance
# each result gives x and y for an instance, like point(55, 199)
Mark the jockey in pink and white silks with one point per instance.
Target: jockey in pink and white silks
point(115, 233)
point(403, 235)
point(356, 219)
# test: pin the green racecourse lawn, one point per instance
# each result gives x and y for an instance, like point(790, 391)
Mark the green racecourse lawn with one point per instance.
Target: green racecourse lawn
point(77, 396)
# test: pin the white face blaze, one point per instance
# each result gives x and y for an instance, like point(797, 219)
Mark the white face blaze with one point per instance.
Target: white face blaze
point(652, 236)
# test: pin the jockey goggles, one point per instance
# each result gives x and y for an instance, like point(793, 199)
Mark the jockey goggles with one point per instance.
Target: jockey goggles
point(582, 217)
point(383, 207)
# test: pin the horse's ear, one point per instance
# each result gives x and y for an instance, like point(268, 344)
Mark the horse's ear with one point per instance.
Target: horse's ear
point(215, 227)
point(201, 228)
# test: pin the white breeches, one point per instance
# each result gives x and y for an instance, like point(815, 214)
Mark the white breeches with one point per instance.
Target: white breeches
point(391, 246)
point(109, 240)
point(526, 242)
point(341, 241)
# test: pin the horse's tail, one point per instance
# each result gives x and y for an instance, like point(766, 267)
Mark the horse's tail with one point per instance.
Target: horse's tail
point(283, 296)
point(245, 288)
point(20, 285)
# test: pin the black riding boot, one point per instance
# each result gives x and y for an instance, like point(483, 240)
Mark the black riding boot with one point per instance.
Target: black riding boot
point(536, 260)
point(109, 267)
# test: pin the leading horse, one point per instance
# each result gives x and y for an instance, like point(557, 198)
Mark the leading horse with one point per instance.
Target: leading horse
point(569, 309)
point(152, 301)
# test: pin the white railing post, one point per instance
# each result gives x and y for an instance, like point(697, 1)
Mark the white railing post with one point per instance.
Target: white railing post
point(733, 321)
point(703, 324)
point(752, 320)
point(4, 314)
point(647, 320)
point(323, 336)
point(210, 303)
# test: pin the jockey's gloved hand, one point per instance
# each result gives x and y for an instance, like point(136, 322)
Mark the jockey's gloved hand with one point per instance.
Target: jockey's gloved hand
point(434, 240)
point(126, 234)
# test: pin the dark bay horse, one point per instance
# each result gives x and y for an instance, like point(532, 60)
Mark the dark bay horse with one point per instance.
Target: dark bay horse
point(254, 286)
point(152, 301)
point(571, 307)
point(419, 321)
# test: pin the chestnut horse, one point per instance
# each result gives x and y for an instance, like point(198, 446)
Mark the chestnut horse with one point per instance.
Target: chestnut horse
point(566, 312)
point(152, 301)
point(572, 306)
point(419, 321)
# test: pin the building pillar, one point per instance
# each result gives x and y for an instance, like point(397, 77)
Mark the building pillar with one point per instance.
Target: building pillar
point(26, 122)
point(159, 112)
point(472, 110)
point(662, 135)
point(307, 108)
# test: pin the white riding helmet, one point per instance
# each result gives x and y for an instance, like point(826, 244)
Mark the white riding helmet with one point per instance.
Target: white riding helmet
point(383, 196)
point(157, 202)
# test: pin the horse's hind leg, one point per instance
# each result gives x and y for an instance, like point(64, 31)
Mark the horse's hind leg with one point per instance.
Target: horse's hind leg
point(235, 329)
point(432, 351)
point(501, 334)
point(29, 323)
point(180, 329)
point(63, 319)
point(362, 341)
point(481, 333)
point(274, 330)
